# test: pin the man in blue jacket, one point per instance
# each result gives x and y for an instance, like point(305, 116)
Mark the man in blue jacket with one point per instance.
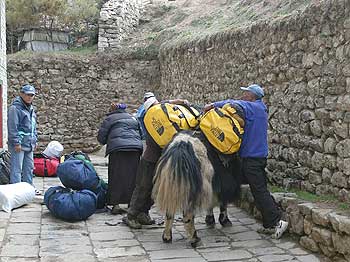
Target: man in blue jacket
point(22, 136)
point(253, 153)
point(140, 114)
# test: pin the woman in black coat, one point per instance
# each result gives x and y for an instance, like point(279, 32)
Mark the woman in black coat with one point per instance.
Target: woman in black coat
point(121, 132)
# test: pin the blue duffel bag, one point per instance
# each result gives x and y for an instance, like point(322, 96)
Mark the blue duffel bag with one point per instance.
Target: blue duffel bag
point(70, 205)
point(78, 174)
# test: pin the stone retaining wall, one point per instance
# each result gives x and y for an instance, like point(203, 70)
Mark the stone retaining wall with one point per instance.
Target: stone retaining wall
point(117, 19)
point(303, 62)
point(75, 92)
point(318, 229)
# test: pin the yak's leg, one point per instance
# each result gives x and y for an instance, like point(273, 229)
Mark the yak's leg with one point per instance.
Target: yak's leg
point(223, 218)
point(191, 230)
point(167, 233)
point(209, 218)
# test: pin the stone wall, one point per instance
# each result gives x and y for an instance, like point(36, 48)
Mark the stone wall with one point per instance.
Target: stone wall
point(3, 81)
point(117, 19)
point(303, 63)
point(74, 93)
point(319, 229)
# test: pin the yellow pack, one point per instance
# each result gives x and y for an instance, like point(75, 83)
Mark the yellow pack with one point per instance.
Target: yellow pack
point(164, 120)
point(223, 128)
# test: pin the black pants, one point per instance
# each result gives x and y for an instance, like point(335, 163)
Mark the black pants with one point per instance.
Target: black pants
point(226, 181)
point(141, 200)
point(253, 170)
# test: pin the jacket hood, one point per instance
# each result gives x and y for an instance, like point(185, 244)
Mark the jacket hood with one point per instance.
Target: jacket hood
point(116, 112)
point(19, 103)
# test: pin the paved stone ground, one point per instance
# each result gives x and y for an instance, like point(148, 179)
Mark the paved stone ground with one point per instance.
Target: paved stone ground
point(30, 233)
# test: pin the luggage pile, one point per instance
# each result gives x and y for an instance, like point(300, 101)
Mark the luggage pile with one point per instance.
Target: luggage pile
point(46, 163)
point(84, 190)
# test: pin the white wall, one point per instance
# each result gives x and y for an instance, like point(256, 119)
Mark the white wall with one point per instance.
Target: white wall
point(3, 78)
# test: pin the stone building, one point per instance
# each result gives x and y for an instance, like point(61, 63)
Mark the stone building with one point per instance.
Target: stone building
point(3, 81)
point(117, 19)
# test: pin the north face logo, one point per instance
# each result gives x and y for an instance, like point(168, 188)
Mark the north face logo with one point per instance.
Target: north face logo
point(158, 126)
point(218, 133)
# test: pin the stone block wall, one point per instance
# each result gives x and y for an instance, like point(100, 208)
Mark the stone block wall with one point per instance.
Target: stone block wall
point(319, 229)
point(74, 93)
point(3, 81)
point(303, 63)
point(117, 19)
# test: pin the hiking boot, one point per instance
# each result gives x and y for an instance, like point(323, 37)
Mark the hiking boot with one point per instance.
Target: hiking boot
point(224, 221)
point(210, 220)
point(117, 210)
point(280, 228)
point(145, 219)
point(132, 223)
point(195, 241)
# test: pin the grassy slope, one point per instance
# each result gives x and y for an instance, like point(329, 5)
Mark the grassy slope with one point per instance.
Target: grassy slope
point(169, 23)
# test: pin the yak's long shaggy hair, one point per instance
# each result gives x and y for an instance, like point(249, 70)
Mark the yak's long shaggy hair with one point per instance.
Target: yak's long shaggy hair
point(183, 176)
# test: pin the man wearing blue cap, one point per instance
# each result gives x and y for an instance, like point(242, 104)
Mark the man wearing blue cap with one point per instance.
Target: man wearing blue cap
point(22, 136)
point(253, 152)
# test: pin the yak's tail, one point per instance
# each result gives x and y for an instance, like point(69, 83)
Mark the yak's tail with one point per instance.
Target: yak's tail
point(183, 176)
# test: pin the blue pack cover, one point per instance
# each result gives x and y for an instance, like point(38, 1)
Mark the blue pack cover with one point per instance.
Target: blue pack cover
point(70, 205)
point(77, 174)
point(101, 192)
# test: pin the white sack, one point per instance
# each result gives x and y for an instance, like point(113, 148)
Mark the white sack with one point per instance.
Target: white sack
point(15, 195)
point(53, 149)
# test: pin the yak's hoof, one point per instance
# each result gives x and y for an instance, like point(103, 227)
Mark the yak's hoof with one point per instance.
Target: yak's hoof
point(165, 240)
point(210, 220)
point(195, 241)
point(224, 221)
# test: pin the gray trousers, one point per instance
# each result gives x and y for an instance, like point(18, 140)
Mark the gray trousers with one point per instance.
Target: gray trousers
point(141, 200)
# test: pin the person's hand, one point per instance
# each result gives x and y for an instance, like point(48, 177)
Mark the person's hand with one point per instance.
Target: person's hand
point(207, 107)
point(18, 148)
point(186, 102)
point(113, 107)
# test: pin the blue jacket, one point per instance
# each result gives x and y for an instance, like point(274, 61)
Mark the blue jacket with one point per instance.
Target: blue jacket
point(21, 125)
point(140, 114)
point(254, 142)
point(121, 132)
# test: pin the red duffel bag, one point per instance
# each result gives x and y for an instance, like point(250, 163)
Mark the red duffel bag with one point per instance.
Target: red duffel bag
point(44, 166)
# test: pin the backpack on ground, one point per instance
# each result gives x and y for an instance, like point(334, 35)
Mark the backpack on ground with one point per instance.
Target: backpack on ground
point(223, 128)
point(77, 174)
point(101, 193)
point(78, 155)
point(70, 205)
point(5, 167)
point(164, 120)
point(45, 166)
